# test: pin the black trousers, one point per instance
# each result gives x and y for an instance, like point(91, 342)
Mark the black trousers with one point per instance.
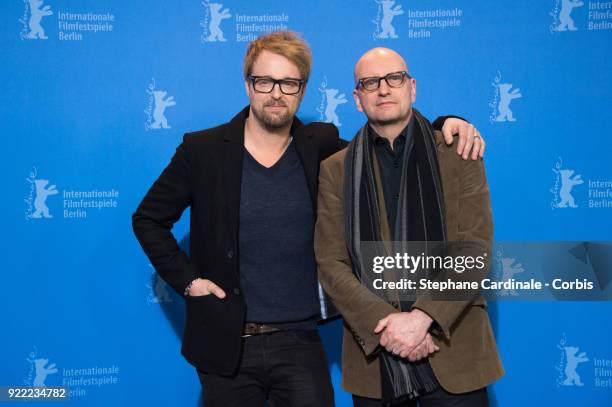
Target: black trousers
point(285, 368)
point(438, 398)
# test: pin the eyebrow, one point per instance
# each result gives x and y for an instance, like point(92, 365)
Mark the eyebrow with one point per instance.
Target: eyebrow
point(281, 79)
point(382, 76)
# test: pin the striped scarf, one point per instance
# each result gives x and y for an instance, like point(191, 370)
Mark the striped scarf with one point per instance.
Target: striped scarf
point(420, 217)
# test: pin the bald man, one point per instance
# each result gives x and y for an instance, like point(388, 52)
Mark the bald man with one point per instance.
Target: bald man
point(399, 181)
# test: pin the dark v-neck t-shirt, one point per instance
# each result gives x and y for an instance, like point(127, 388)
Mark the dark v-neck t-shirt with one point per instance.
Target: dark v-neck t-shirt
point(276, 233)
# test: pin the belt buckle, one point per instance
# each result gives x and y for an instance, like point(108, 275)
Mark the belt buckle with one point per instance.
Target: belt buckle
point(247, 328)
point(251, 327)
point(256, 329)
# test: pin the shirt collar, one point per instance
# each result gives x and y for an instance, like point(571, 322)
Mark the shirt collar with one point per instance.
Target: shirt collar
point(402, 137)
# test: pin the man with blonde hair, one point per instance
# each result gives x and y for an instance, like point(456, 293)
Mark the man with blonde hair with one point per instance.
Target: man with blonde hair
point(251, 284)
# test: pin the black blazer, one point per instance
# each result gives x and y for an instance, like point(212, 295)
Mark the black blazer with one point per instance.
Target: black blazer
point(205, 174)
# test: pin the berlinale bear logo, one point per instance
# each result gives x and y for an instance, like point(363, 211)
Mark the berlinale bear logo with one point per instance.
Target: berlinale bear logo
point(387, 10)
point(155, 111)
point(37, 12)
point(214, 15)
point(565, 181)
point(161, 103)
point(510, 268)
point(331, 98)
point(567, 184)
point(42, 371)
point(503, 96)
point(565, 21)
point(571, 376)
point(42, 192)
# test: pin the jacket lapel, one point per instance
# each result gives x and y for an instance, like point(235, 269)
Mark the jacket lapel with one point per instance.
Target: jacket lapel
point(309, 154)
point(233, 154)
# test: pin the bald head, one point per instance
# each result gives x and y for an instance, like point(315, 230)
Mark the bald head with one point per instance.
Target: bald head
point(379, 62)
point(386, 103)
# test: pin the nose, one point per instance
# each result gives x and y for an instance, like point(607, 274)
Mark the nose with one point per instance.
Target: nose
point(384, 89)
point(276, 92)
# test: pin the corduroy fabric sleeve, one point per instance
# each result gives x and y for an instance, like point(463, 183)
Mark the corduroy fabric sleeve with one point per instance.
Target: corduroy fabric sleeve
point(360, 308)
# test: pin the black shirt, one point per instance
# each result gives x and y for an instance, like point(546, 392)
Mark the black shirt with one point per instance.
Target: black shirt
point(391, 162)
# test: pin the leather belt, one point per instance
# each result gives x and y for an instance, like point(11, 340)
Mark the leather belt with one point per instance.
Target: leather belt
point(258, 329)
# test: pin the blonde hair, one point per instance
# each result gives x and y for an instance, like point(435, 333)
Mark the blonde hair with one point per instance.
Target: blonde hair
point(286, 43)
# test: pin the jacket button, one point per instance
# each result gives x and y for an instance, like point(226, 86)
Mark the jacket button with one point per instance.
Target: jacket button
point(237, 291)
point(395, 304)
point(230, 254)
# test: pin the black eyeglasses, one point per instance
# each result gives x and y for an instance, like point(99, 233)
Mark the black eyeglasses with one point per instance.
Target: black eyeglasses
point(393, 79)
point(265, 84)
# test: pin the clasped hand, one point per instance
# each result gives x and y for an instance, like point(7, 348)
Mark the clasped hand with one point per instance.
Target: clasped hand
point(406, 334)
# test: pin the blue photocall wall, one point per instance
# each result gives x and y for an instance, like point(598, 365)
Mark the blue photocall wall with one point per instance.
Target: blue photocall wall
point(96, 96)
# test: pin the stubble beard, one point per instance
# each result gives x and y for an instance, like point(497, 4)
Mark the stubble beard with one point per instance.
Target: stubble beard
point(274, 121)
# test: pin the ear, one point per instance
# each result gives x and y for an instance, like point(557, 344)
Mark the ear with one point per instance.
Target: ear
point(413, 90)
point(247, 88)
point(357, 101)
point(300, 96)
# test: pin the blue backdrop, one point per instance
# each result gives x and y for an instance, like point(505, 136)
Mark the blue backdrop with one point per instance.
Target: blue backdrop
point(96, 96)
